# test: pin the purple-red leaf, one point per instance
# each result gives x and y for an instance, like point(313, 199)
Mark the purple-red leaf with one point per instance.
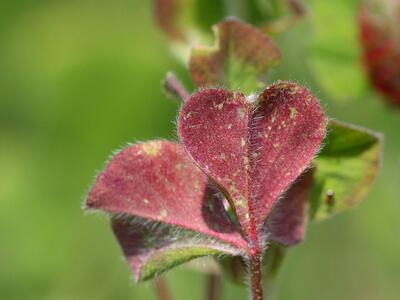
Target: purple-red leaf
point(287, 223)
point(164, 210)
point(151, 248)
point(156, 181)
point(253, 150)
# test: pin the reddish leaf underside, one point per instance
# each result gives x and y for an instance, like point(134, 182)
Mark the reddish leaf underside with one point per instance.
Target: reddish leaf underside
point(288, 220)
point(252, 151)
point(156, 181)
point(151, 248)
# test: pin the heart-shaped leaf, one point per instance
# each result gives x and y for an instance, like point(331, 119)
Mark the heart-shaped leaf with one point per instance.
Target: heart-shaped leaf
point(252, 151)
point(345, 169)
point(157, 184)
point(240, 58)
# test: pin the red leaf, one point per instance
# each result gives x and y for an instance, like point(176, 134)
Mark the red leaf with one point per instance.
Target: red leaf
point(157, 182)
point(379, 22)
point(287, 223)
point(148, 246)
point(253, 151)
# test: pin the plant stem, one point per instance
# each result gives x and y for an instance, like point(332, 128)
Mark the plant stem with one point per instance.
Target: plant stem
point(213, 287)
point(255, 276)
point(297, 8)
point(173, 86)
point(161, 289)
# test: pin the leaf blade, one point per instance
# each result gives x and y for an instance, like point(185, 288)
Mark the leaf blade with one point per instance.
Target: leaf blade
point(345, 168)
point(163, 210)
point(252, 152)
point(239, 59)
point(152, 248)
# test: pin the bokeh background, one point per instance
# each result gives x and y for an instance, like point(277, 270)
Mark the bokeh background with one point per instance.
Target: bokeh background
point(79, 79)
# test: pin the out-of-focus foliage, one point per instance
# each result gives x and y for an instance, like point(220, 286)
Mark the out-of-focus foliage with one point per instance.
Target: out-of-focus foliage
point(334, 52)
point(188, 22)
point(80, 78)
point(240, 59)
point(379, 22)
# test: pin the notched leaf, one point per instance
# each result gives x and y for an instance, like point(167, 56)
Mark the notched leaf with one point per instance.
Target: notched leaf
point(253, 151)
point(345, 169)
point(156, 182)
point(239, 59)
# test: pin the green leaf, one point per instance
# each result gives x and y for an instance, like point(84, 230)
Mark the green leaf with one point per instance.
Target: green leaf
point(188, 22)
point(165, 260)
point(335, 53)
point(151, 248)
point(345, 169)
point(239, 59)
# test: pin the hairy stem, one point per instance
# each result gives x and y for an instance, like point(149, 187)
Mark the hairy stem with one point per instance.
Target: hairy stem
point(255, 276)
point(174, 87)
point(161, 289)
point(213, 287)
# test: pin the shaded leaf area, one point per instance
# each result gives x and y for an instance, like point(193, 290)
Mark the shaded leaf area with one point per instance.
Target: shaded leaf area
point(239, 59)
point(345, 169)
point(188, 22)
point(252, 151)
point(379, 23)
point(235, 269)
point(151, 248)
point(157, 182)
point(287, 224)
point(334, 53)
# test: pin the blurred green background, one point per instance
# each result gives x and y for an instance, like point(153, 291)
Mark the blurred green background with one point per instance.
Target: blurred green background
point(79, 79)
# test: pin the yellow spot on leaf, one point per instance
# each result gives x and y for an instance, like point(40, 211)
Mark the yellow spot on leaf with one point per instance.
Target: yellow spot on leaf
point(240, 113)
point(163, 213)
point(188, 115)
point(242, 142)
point(219, 106)
point(151, 148)
point(293, 112)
